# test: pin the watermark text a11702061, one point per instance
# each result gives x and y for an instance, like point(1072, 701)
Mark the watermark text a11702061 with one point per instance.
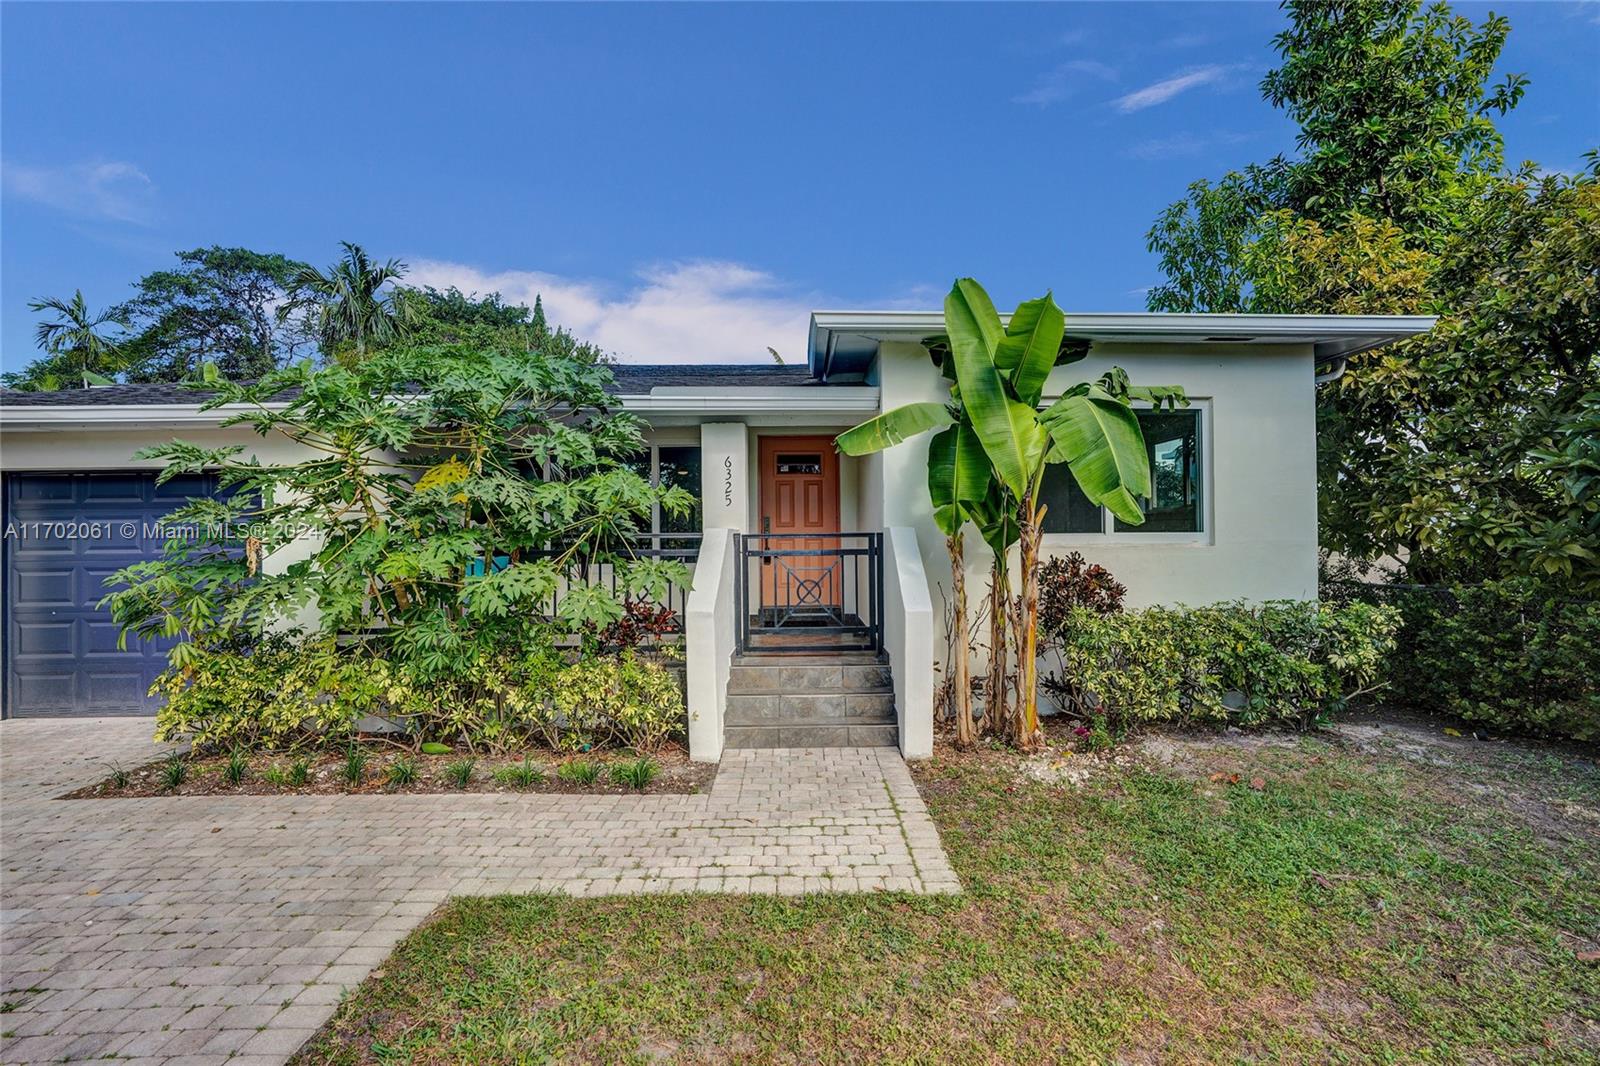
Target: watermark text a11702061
point(109, 530)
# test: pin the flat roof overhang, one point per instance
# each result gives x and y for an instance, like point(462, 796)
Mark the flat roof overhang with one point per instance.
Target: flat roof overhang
point(848, 339)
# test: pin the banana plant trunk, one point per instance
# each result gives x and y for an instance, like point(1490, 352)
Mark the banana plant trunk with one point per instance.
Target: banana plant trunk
point(1028, 734)
point(994, 690)
point(960, 671)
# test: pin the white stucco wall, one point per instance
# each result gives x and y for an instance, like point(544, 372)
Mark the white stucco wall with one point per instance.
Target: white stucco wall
point(68, 449)
point(1258, 437)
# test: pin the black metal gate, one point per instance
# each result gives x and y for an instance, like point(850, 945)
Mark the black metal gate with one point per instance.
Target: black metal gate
point(810, 592)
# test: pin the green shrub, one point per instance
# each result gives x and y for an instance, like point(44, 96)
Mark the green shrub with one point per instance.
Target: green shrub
point(1515, 655)
point(635, 774)
point(579, 771)
point(402, 772)
point(299, 771)
point(269, 692)
point(626, 698)
point(234, 770)
point(355, 765)
point(520, 775)
point(174, 771)
point(1282, 662)
point(285, 691)
point(459, 773)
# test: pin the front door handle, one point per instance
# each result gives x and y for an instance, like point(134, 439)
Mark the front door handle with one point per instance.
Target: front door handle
point(766, 528)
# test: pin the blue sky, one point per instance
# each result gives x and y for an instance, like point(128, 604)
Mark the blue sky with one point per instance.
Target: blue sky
point(681, 182)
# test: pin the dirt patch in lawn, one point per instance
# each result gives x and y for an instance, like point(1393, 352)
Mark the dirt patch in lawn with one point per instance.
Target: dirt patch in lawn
point(1553, 787)
point(325, 774)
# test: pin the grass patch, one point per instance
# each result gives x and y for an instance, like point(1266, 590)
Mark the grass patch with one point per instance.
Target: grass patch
point(1329, 906)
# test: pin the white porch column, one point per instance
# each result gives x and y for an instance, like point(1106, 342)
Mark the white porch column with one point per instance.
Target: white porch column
point(708, 644)
point(725, 475)
point(908, 634)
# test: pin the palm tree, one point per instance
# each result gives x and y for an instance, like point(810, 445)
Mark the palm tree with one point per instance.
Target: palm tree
point(76, 342)
point(346, 311)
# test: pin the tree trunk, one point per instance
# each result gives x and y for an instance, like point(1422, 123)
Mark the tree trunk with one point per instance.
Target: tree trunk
point(1013, 727)
point(1028, 640)
point(959, 672)
point(994, 689)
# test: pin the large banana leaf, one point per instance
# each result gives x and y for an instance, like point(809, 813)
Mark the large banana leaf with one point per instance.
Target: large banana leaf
point(1030, 347)
point(892, 427)
point(1098, 437)
point(1010, 431)
point(958, 475)
point(975, 313)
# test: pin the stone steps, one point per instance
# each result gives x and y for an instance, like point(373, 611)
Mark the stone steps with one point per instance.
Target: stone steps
point(821, 700)
point(811, 736)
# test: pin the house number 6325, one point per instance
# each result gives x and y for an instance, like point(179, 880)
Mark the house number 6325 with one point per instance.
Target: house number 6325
point(727, 481)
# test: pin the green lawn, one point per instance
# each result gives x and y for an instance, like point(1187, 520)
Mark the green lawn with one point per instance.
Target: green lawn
point(1357, 906)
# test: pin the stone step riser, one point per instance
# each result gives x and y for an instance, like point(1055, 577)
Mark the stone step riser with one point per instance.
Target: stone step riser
point(812, 736)
point(811, 709)
point(765, 680)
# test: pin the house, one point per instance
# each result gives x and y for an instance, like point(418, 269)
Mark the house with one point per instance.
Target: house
point(817, 614)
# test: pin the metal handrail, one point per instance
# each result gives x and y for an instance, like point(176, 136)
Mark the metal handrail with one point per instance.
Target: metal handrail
point(814, 601)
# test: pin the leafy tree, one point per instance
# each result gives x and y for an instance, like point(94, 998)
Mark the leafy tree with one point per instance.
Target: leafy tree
point(346, 306)
point(453, 317)
point(1202, 240)
point(1447, 450)
point(446, 493)
point(218, 306)
point(79, 350)
point(1395, 118)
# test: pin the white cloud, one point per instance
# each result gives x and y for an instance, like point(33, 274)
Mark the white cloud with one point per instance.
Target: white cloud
point(1183, 145)
point(1162, 91)
point(701, 311)
point(1062, 80)
point(117, 191)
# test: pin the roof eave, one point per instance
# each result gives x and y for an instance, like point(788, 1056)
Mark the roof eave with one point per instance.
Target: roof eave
point(675, 400)
point(1331, 336)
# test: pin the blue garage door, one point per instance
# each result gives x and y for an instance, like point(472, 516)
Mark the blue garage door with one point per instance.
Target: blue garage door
point(64, 534)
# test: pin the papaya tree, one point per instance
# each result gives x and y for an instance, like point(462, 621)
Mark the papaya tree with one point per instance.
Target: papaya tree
point(999, 370)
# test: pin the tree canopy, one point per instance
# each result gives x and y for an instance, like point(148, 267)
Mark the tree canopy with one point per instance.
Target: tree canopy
point(217, 306)
point(1452, 452)
point(247, 313)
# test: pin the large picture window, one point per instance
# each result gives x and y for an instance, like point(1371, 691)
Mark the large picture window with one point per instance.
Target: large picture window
point(1175, 505)
point(673, 466)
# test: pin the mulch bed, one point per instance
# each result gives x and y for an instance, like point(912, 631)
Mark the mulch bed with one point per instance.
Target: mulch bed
point(677, 775)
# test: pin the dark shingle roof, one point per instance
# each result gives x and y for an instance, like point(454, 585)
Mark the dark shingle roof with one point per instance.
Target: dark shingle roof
point(103, 396)
point(633, 379)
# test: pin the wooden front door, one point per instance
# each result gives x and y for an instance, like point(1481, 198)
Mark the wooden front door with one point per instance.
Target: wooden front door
point(800, 495)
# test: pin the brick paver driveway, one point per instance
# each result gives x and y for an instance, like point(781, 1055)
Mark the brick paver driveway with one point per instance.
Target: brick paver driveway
point(209, 929)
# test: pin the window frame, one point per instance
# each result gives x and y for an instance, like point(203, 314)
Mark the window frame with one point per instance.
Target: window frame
point(1202, 537)
point(653, 447)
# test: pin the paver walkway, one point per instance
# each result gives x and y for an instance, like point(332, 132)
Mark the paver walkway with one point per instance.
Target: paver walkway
point(204, 929)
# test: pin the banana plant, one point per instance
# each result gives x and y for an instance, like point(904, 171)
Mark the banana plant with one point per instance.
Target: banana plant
point(958, 478)
point(999, 370)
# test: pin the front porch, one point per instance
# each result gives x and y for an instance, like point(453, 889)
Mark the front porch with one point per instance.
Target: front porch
point(825, 645)
point(809, 622)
